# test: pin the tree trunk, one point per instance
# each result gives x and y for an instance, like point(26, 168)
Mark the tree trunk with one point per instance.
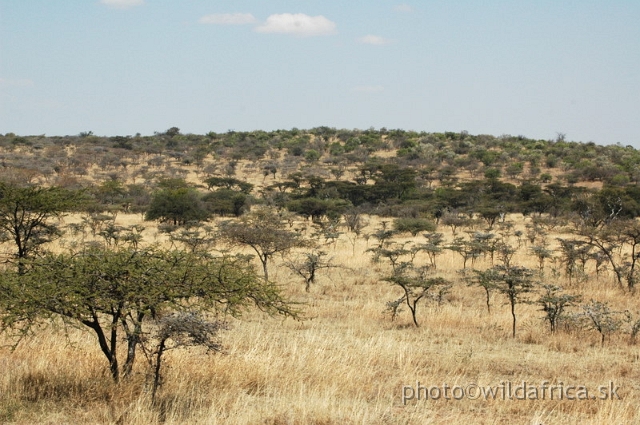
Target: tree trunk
point(133, 339)
point(413, 315)
point(488, 299)
point(156, 372)
point(104, 346)
point(513, 315)
point(264, 259)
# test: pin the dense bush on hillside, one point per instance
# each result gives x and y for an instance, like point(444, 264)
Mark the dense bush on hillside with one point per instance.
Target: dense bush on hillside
point(322, 171)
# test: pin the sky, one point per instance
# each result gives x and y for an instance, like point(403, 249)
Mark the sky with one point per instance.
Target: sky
point(120, 67)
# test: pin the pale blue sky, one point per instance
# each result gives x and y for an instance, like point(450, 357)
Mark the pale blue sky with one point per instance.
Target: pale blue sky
point(119, 67)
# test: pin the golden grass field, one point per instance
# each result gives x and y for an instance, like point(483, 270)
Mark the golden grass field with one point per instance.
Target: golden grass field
point(346, 363)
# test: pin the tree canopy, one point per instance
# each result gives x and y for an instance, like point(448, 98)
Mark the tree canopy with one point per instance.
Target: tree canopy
point(114, 292)
point(26, 213)
point(177, 205)
point(264, 231)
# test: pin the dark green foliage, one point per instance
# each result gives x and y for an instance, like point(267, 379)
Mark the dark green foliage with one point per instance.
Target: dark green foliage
point(316, 209)
point(122, 143)
point(311, 155)
point(110, 192)
point(381, 186)
point(414, 225)
point(492, 173)
point(172, 132)
point(226, 202)
point(138, 198)
point(497, 191)
point(392, 181)
point(336, 149)
point(560, 198)
point(533, 199)
point(626, 200)
point(352, 192)
point(515, 169)
point(177, 205)
point(229, 183)
point(297, 146)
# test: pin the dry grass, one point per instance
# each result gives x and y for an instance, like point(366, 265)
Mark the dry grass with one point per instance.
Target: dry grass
point(345, 364)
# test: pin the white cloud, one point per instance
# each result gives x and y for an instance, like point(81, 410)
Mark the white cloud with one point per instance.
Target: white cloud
point(297, 24)
point(21, 82)
point(403, 8)
point(368, 89)
point(374, 40)
point(228, 19)
point(122, 4)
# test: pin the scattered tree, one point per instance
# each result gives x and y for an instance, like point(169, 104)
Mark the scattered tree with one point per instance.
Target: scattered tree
point(554, 303)
point(486, 280)
point(416, 285)
point(265, 232)
point(27, 212)
point(601, 318)
point(414, 225)
point(433, 247)
point(309, 266)
point(180, 329)
point(512, 281)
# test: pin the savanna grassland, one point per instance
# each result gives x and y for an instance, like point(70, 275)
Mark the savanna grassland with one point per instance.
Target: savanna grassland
point(347, 357)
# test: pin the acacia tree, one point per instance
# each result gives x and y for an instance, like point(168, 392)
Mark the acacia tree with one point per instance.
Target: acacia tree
point(308, 267)
point(27, 212)
point(392, 252)
point(542, 253)
point(468, 249)
point(113, 292)
point(554, 303)
point(454, 220)
point(355, 222)
point(433, 247)
point(176, 203)
point(180, 330)
point(601, 318)
point(416, 284)
point(574, 252)
point(265, 232)
point(513, 282)
point(485, 280)
point(229, 183)
point(413, 225)
point(619, 242)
